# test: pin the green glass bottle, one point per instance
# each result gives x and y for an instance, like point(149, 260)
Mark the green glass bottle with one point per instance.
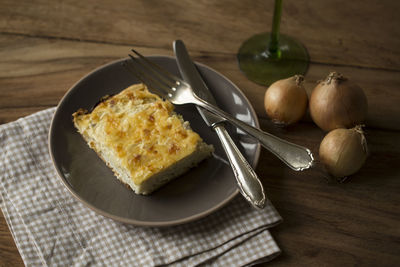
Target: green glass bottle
point(268, 57)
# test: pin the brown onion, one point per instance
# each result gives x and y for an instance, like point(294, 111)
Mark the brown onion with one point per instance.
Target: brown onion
point(343, 151)
point(336, 102)
point(286, 100)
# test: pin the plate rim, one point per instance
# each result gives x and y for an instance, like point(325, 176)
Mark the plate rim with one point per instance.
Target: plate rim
point(134, 221)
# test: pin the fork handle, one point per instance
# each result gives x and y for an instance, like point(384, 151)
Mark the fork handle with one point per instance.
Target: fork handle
point(249, 185)
point(296, 157)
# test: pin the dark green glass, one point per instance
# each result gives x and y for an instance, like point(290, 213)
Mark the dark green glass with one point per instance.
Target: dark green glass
point(268, 57)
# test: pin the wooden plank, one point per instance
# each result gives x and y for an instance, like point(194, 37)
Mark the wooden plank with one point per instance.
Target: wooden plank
point(37, 72)
point(347, 224)
point(334, 31)
point(9, 255)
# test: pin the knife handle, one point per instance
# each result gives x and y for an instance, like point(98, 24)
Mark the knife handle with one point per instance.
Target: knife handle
point(249, 184)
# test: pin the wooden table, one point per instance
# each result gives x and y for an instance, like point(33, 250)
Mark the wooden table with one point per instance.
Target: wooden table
point(46, 46)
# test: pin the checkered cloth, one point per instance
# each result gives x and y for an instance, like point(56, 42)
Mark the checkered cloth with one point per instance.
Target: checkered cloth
point(51, 228)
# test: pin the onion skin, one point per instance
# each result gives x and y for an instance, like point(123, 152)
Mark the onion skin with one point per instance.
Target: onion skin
point(336, 102)
point(343, 151)
point(286, 100)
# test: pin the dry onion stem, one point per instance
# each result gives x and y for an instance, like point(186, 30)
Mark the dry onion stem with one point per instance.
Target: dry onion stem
point(344, 151)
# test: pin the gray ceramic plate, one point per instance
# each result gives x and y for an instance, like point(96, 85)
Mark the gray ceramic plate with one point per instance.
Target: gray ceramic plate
point(195, 194)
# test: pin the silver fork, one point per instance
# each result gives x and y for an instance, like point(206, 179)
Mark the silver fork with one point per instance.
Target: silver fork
point(179, 92)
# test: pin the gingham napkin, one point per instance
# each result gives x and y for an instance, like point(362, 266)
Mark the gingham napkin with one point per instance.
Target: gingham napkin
point(51, 228)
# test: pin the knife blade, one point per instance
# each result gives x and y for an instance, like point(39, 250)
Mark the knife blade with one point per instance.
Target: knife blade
point(190, 74)
point(249, 184)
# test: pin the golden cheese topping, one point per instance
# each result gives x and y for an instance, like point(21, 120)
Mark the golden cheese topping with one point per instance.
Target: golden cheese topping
point(140, 130)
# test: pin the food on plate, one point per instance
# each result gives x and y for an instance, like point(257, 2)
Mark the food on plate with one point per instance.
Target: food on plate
point(141, 138)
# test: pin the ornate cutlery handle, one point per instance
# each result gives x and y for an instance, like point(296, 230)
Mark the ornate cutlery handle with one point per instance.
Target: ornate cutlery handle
point(249, 184)
point(296, 157)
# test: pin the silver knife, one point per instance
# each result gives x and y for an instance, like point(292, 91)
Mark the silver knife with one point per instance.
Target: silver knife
point(249, 184)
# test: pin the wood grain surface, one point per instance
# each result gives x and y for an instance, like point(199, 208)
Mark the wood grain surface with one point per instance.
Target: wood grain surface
point(46, 46)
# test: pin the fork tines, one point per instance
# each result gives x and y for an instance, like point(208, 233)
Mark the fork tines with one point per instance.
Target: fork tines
point(151, 74)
